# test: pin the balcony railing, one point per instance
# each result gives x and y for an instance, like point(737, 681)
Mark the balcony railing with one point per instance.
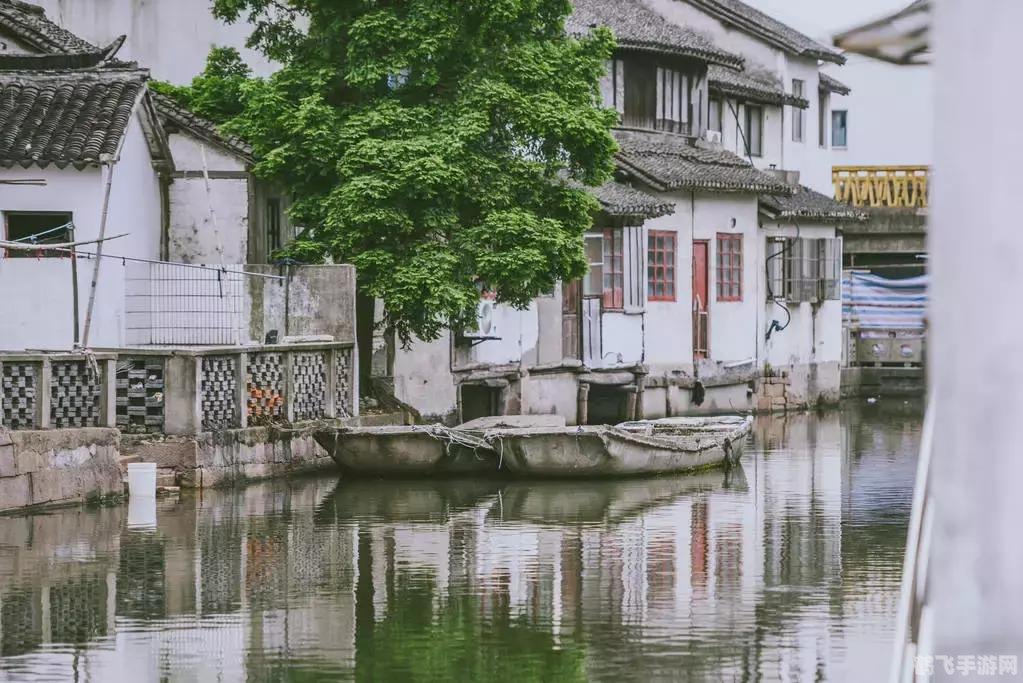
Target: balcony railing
point(891, 187)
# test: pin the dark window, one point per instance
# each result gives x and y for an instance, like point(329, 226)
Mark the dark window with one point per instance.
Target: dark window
point(673, 101)
point(839, 128)
point(716, 115)
point(729, 270)
point(273, 225)
point(822, 120)
point(754, 130)
point(480, 401)
point(612, 96)
point(660, 266)
point(48, 227)
point(798, 115)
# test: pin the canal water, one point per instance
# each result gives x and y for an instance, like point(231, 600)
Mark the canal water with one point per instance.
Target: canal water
point(787, 569)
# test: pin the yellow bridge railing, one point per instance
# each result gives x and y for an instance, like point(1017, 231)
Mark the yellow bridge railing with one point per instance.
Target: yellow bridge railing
point(895, 187)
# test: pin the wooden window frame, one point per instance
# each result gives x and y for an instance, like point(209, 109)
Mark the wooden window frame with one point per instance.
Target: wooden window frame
point(658, 273)
point(613, 275)
point(721, 115)
point(729, 274)
point(673, 107)
point(798, 115)
point(822, 120)
point(42, 252)
point(272, 218)
point(759, 150)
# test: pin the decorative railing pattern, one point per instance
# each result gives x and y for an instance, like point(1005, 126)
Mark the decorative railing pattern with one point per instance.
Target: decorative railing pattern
point(179, 391)
point(76, 389)
point(892, 187)
point(19, 386)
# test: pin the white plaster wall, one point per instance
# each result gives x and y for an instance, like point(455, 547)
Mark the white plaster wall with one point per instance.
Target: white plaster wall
point(518, 333)
point(187, 152)
point(156, 30)
point(669, 326)
point(891, 113)
point(192, 238)
point(622, 333)
point(422, 377)
point(36, 309)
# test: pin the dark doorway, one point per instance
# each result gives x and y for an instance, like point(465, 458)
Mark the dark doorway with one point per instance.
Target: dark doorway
point(607, 405)
point(480, 401)
point(365, 310)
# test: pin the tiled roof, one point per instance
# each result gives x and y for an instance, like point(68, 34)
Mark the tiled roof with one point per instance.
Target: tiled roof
point(173, 115)
point(65, 118)
point(28, 24)
point(758, 88)
point(831, 84)
point(742, 16)
point(640, 28)
point(807, 203)
point(621, 200)
point(669, 162)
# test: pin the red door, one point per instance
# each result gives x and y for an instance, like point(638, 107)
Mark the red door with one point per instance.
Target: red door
point(701, 299)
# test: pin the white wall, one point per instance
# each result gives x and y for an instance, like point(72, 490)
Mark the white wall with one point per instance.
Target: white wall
point(36, 308)
point(157, 32)
point(891, 113)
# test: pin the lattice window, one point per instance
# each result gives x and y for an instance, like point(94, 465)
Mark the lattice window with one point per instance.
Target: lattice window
point(140, 389)
point(75, 393)
point(309, 377)
point(344, 382)
point(661, 266)
point(729, 267)
point(219, 393)
point(265, 388)
point(19, 382)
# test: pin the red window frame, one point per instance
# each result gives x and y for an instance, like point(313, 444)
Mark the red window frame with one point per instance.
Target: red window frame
point(662, 257)
point(613, 290)
point(729, 267)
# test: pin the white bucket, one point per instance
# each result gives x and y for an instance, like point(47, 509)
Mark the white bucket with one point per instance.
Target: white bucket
point(142, 480)
point(142, 512)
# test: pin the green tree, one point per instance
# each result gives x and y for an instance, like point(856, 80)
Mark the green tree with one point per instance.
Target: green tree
point(219, 92)
point(427, 142)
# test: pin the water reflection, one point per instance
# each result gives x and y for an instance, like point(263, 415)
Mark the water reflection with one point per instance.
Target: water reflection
point(786, 569)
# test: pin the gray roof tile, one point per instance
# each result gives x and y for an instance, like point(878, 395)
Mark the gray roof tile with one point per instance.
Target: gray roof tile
point(27, 23)
point(673, 162)
point(65, 117)
point(831, 84)
point(173, 114)
point(756, 87)
point(809, 204)
point(640, 28)
point(618, 199)
point(753, 21)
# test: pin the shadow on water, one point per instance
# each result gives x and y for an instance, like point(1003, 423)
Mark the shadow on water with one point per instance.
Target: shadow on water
point(784, 569)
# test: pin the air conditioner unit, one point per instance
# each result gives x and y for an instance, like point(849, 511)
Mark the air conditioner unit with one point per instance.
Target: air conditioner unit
point(486, 322)
point(713, 136)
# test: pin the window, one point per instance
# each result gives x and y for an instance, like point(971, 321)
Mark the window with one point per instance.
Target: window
point(754, 130)
point(798, 115)
point(804, 269)
point(614, 280)
point(729, 267)
point(673, 103)
point(273, 225)
point(839, 128)
point(660, 268)
point(822, 120)
point(44, 227)
point(593, 283)
point(716, 115)
point(611, 85)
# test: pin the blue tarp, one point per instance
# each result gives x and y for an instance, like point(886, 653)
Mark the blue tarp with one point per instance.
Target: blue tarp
point(871, 302)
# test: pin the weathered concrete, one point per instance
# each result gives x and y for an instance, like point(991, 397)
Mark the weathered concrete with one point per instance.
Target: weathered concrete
point(875, 382)
point(57, 466)
point(888, 231)
point(317, 300)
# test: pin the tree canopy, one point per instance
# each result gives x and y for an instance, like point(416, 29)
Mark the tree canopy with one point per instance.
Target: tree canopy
point(427, 142)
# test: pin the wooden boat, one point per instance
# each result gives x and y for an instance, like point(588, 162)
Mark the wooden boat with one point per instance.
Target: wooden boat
point(402, 451)
point(631, 449)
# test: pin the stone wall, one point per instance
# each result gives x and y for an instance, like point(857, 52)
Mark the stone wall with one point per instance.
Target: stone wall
point(58, 466)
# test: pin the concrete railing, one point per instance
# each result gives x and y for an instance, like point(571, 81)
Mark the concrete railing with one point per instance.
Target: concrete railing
point(893, 187)
point(179, 392)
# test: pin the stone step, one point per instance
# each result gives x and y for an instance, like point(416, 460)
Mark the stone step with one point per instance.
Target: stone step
point(165, 478)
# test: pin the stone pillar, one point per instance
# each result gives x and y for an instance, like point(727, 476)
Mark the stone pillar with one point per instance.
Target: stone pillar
point(583, 403)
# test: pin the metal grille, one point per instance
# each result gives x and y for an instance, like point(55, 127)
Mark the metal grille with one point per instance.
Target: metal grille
point(19, 382)
point(265, 387)
point(167, 303)
point(344, 382)
point(219, 393)
point(140, 387)
point(310, 381)
point(75, 391)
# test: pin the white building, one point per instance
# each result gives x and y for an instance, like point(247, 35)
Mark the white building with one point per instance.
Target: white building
point(714, 280)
